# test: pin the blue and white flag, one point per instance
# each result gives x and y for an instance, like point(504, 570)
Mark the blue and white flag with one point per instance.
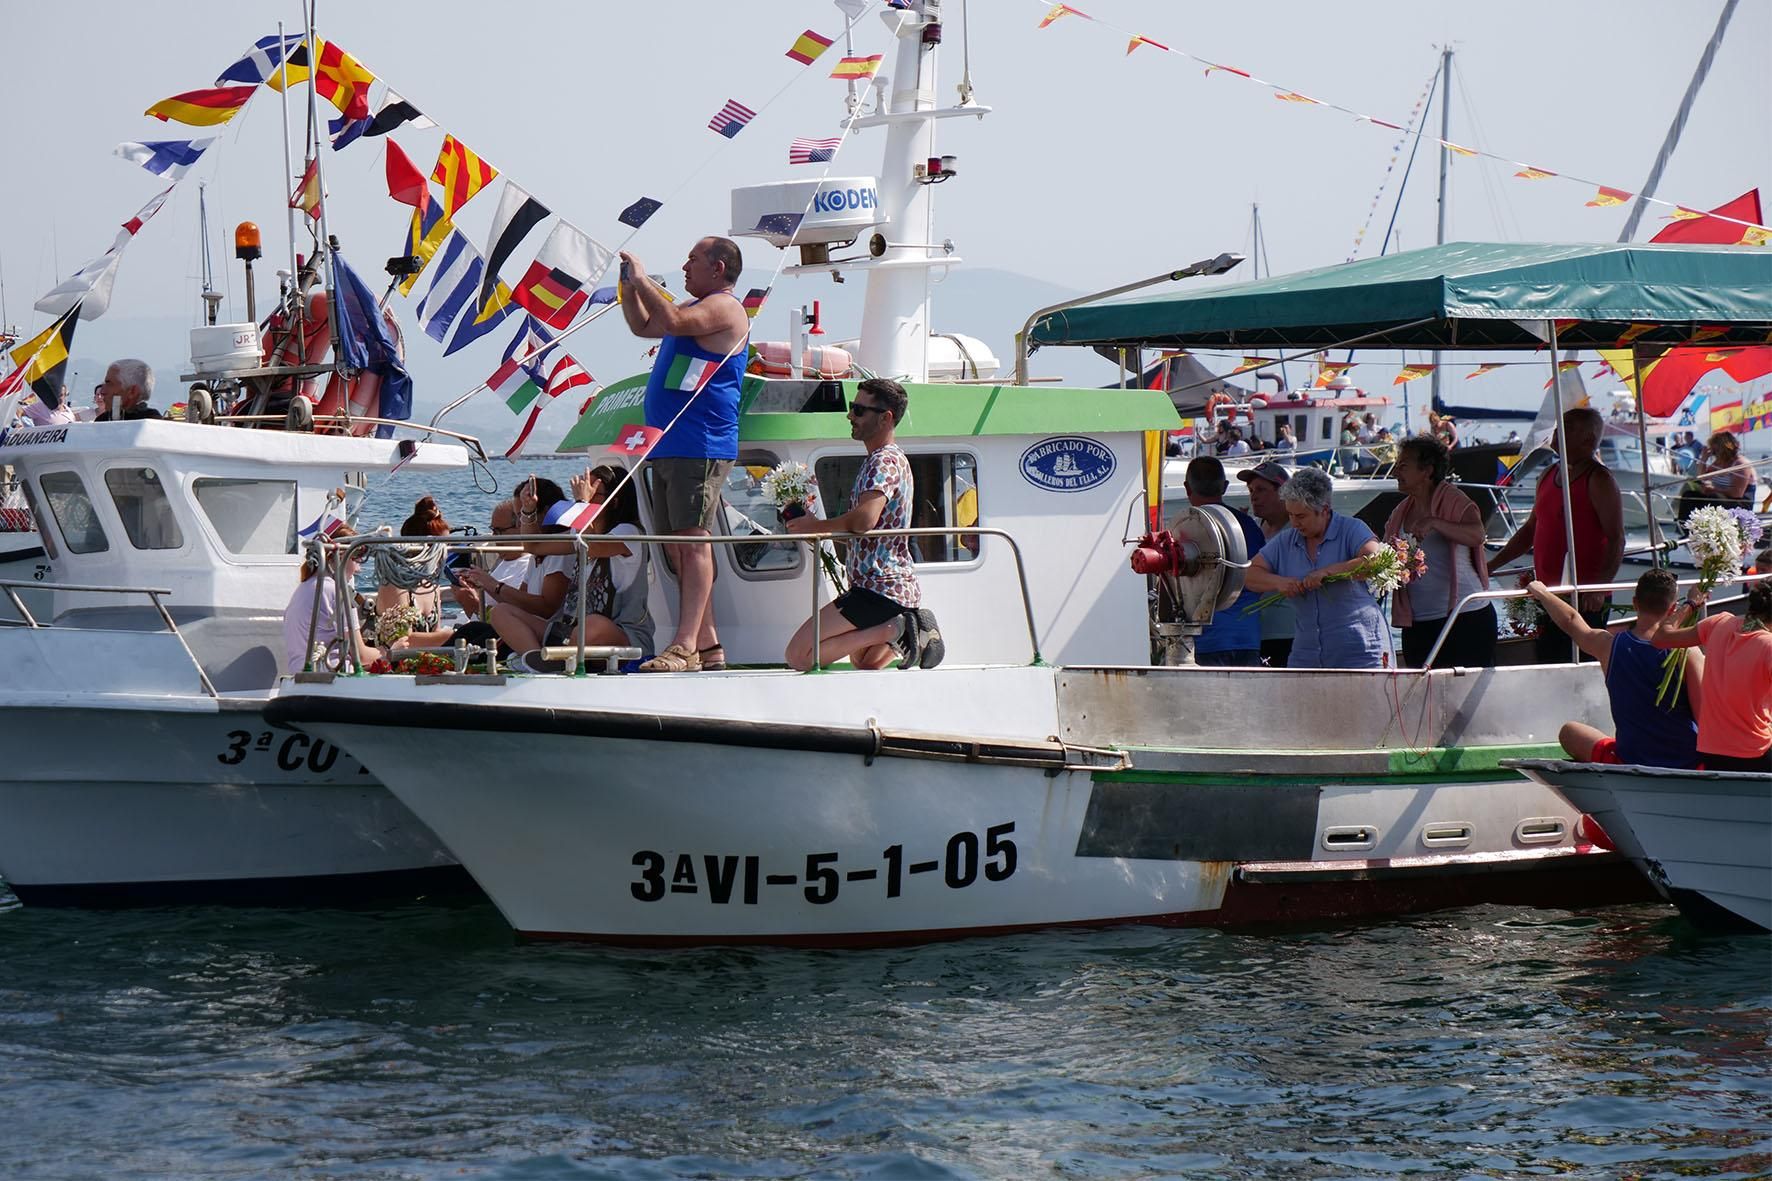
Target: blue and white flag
point(171, 158)
point(259, 62)
point(455, 281)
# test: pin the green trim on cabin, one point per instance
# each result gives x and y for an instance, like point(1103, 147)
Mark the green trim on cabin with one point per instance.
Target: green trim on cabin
point(936, 411)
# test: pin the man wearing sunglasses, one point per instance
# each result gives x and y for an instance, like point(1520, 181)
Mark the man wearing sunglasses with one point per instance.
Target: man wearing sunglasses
point(880, 617)
point(470, 592)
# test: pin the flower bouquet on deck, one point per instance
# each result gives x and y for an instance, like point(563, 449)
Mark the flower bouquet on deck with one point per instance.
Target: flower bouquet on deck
point(1394, 565)
point(1720, 539)
point(791, 486)
point(396, 623)
point(1524, 616)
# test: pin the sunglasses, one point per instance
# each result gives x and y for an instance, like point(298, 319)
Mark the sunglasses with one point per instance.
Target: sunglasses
point(856, 408)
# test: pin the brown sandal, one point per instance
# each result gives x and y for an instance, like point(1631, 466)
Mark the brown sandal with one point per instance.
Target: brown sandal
point(713, 659)
point(674, 659)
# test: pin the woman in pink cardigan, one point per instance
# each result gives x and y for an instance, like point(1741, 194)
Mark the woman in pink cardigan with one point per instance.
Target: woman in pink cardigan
point(1449, 527)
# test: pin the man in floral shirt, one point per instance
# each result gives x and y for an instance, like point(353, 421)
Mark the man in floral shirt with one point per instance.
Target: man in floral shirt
point(880, 617)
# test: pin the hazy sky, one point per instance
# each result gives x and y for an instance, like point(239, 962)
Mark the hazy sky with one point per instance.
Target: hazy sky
point(1096, 168)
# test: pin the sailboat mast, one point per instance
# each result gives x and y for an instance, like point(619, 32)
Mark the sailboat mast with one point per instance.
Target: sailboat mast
point(1440, 225)
point(1679, 124)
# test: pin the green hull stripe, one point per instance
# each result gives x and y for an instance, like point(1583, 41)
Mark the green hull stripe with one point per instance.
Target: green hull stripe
point(1456, 764)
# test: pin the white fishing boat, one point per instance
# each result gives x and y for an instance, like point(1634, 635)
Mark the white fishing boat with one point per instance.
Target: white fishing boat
point(1044, 774)
point(1703, 838)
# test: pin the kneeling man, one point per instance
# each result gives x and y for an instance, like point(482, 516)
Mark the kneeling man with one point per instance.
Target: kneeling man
point(878, 618)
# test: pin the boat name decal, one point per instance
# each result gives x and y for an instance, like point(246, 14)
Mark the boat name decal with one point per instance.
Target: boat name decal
point(625, 400)
point(33, 437)
point(297, 752)
point(840, 200)
point(1069, 464)
point(730, 877)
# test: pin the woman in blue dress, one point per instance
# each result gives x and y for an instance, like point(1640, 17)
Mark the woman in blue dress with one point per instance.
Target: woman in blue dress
point(1339, 624)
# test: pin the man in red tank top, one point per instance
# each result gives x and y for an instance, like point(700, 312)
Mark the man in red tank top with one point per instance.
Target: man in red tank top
point(1598, 512)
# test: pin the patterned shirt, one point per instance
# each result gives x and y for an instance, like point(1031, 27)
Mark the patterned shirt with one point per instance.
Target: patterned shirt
point(884, 564)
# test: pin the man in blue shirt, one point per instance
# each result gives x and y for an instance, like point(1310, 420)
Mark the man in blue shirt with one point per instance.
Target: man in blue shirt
point(1232, 639)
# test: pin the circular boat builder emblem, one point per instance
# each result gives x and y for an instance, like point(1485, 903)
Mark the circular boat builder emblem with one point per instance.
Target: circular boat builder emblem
point(1067, 465)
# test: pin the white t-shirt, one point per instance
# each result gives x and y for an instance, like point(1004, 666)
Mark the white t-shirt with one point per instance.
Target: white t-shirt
point(541, 567)
point(623, 571)
point(512, 571)
point(297, 616)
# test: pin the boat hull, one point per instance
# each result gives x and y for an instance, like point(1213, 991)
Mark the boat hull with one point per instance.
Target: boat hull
point(1703, 838)
point(660, 829)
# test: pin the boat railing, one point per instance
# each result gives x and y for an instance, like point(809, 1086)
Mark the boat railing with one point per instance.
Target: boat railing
point(15, 513)
point(154, 595)
point(339, 553)
point(1474, 597)
point(339, 424)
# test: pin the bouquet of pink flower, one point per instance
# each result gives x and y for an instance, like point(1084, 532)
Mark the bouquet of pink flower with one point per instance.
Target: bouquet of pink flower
point(1393, 566)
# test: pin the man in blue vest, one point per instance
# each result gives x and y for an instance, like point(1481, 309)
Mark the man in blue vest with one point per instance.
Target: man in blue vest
point(692, 396)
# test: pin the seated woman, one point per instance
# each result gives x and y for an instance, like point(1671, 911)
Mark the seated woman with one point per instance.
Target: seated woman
point(1339, 624)
point(409, 603)
point(616, 585)
point(1735, 709)
point(312, 615)
point(521, 614)
point(1449, 527)
point(1721, 478)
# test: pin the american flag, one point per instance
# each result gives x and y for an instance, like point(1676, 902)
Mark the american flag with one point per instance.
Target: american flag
point(731, 119)
point(813, 151)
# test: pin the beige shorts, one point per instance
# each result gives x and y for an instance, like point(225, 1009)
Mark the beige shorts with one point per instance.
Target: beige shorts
point(686, 492)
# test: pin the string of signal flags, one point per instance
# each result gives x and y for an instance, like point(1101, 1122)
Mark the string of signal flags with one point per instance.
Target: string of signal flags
point(466, 299)
point(1738, 222)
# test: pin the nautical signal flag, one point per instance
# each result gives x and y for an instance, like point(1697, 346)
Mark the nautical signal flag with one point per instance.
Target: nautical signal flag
point(814, 151)
point(567, 374)
point(455, 283)
point(202, 108)
point(1485, 367)
point(1057, 11)
point(1609, 196)
point(341, 80)
point(1411, 373)
point(754, 301)
point(307, 195)
point(807, 48)
point(519, 379)
point(471, 328)
point(461, 173)
point(731, 118)
point(406, 184)
point(44, 359)
point(557, 285)
point(636, 215)
point(635, 439)
point(258, 62)
point(429, 229)
point(90, 287)
point(853, 68)
point(1692, 227)
point(396, 112)
point(518, 213)
point(171, 158)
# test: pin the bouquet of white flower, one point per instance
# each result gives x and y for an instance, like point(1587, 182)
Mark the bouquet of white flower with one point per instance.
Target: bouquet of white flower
point(792, 488)
point(1720, 540)
point(1524, 616)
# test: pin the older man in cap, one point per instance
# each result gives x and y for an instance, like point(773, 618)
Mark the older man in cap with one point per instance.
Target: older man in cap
point(1232, 639)
point(1279, 622)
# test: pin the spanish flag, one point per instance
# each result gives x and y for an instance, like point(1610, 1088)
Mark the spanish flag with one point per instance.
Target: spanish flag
point(1411, 372)
point(1562, 368)
point(1531, 173)
point(1666, 381)
point(1485, 367)
point(1459, 148)
point(202, 108)
point(1722, 226)
point(1056, 11)
point(307, 192)
point(806, 49)
point(1140, 39)
point(857, 67)
point(1251, 363)
point(1607, 196)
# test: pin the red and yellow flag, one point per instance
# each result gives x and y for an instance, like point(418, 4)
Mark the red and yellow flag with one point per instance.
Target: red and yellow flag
point(1756, 236)
point(1252, 363)
point(307, 193)
point(1226, 69)
point(1459, 148)
point(1707, 332)
point(1140, 39)
point(1634, 331)
point(808, 46)
point(1609, 196)
point(1722, 226)
point(1485, 367)
point(1531, 173)
point(343, 81)
point(1411, 373)
point(461, 173)
point(1057, 11)
point(202, 108)
point(1292, 96)
point(1328, 371)
point(1562, 368)
point(857, 67)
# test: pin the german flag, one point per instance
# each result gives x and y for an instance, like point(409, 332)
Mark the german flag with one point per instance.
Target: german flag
point(753, 301)
point(551, 295)
point(461, 173)
point(202, 108)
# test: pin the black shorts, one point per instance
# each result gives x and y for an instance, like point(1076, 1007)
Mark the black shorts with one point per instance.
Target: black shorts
point(867, 608)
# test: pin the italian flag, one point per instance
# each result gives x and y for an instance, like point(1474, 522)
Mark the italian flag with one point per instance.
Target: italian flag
point(515, 384)
point(688, 374)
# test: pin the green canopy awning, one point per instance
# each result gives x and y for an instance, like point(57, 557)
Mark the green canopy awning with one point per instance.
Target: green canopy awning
point(1463, 295)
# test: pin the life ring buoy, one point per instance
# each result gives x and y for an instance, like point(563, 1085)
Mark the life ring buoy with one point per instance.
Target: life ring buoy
point(1215, 402)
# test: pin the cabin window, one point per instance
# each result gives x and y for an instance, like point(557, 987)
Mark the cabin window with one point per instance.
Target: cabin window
point(36, 514)
point(251, 517)
point(73, 512)
point(144, 508)
point(946, 495)
point(746, 511)
point(1329, 428)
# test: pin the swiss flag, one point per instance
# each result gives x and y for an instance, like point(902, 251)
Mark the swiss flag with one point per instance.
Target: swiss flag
point(635, 439)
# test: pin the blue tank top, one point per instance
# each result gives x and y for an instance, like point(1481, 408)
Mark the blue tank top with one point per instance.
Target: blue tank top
point(709, 428)
point(1648, 735)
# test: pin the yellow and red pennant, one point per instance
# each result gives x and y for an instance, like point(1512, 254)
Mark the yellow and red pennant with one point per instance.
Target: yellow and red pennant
point(1226, 69)
point(1292, 96)
point(1562, 368)
point(1634, 331)
point(1756, 236)
point(1252, 363)
point(1485, 367)
point(1411, 373)
point(1328, 371)
point(1609, 196)
point(1058, 11)
point(1140, 39)
point(1459, 148)
point(1531, 173)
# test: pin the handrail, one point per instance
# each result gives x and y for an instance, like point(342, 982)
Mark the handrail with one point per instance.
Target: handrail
point(11, 587)
point(342, 551)
point(356, 420)
point(1521, 592)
